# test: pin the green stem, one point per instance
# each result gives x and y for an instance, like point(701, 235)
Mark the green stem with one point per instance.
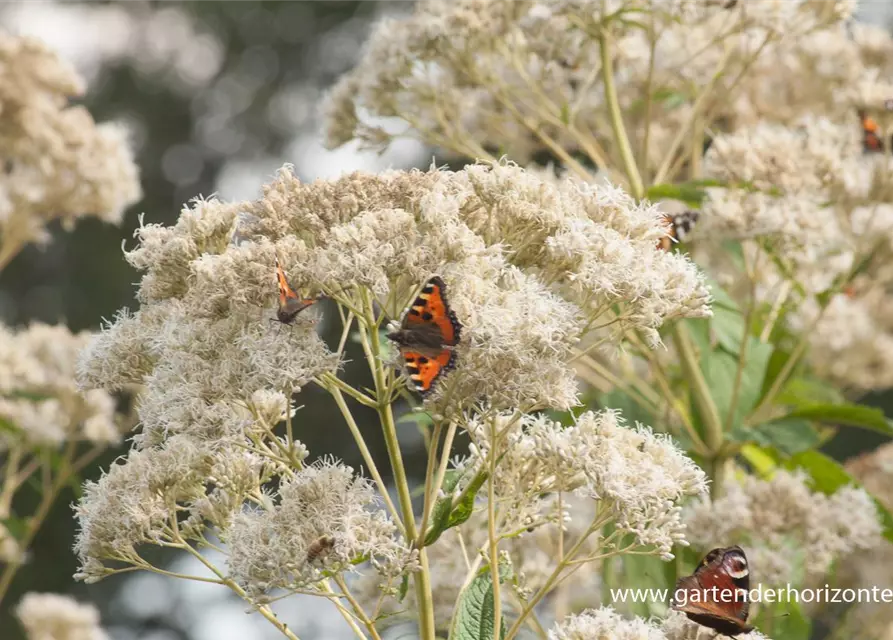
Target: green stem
point(429, 483)
point(718, 475)
point(422, 578)
point(742, 362)
point(358, 610)
point(780, 380)
point(491, 534)
point(713, 436)
point(622, 139)
point(367, 455)
point(550, 582)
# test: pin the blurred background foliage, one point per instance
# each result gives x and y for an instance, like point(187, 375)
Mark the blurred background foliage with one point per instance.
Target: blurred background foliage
point(217, 96)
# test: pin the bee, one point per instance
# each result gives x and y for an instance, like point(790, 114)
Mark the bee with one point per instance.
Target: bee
point(320, 548)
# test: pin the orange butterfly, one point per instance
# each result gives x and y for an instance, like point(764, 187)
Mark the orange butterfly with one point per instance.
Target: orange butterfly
point(678, 226)
point(427, 335)
point(290, 303)
point(871, 141)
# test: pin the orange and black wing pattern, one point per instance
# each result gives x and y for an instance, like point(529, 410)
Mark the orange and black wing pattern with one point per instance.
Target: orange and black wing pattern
point(290, 303)
point(428, 332)
point(422, 371)
point(431, 308)
point(871, 139)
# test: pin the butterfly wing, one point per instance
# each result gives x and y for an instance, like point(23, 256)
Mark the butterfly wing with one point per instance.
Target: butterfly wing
point(428, 332)
point(290, 303)
point(431, 310)
point(871, 141)
point(715, 596)
point(423, 371)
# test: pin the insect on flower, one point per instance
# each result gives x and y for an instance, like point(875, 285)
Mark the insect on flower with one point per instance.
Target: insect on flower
point(429, 330)
point(320, 548)
point(290, 303)
point(872, 142)
point(679, 227)
point(716, 593)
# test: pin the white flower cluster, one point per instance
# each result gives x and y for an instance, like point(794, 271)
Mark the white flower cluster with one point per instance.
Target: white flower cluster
point(530, 266)
point(274, 546)
point(787, 527)
point(606, 623)
point(57, 162)
point(533, 552)
point(39, 398)
point(525, 74)
point(50, 616)
point(636, 476)
point(852, 341)
point(873, 566)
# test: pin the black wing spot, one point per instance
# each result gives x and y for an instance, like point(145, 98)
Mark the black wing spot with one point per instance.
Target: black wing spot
point(426, 316)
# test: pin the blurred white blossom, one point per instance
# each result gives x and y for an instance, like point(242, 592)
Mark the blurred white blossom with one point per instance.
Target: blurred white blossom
point(39, 398)
point(606, 623)
point(57, 163)
point(50, 616)
point(788, 529)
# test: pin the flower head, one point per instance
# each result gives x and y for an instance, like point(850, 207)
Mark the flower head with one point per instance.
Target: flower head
point(636, 476)
point(50, 616)
point(59, 163)
point(38, 393)
point(323, 505)
point(786, 525)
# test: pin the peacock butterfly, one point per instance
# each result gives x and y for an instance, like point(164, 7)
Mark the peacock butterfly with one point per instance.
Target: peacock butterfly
point(715, 595)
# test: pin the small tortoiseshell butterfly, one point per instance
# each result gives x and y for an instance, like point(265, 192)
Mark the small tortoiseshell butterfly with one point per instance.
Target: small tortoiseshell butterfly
point(290, 303)
point(428, 332)
point(871, 139)
point(679, 226)
point(716, 593)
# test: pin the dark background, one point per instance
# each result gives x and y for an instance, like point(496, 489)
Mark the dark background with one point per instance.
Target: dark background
point(219, 95)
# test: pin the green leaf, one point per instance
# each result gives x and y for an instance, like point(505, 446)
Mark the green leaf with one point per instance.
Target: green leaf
point(17, 527)
point(419, 418)
point(786, 619)
point(720, 297)
point(690, 195)
point(9, 427)
point(828, 476)
point(727, 328)
point(850, 415)
point(720, 370)
point(760, 459)
point(808, 391)
point(440, 514)
point(404, 588)
point(473, 619)
point(444, 516)
point(462, 511)
point(788, 435)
